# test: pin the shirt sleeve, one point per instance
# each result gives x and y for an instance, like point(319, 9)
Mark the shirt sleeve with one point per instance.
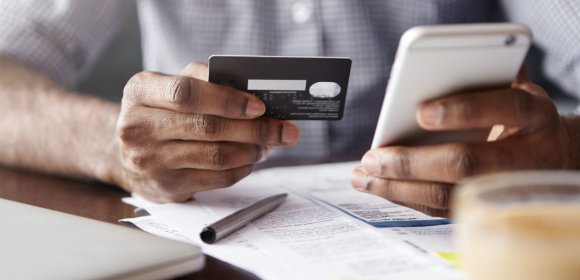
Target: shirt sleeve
point(60, 38)
point(556, 28)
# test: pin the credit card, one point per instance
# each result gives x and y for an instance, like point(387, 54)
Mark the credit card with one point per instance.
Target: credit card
point(292, 88)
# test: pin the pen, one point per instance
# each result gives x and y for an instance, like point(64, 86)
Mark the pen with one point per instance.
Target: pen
point(240, 218)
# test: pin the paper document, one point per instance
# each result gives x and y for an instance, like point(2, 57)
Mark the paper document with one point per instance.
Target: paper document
point(330, 183)
point(311, 235)
point(326, 184)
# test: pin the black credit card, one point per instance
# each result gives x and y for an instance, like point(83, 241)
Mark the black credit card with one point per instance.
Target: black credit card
point(292, 88)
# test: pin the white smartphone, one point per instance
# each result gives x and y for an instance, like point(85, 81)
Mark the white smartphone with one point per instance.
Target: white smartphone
point(433, 61)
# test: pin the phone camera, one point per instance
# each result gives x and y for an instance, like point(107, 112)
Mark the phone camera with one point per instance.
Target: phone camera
point(510, 40)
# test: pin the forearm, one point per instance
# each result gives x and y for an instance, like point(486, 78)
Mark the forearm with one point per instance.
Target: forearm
point(47, 128)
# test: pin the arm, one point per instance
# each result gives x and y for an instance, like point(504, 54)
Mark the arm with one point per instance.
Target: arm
point(171, 137)
point(44, 126)
point(47, 128)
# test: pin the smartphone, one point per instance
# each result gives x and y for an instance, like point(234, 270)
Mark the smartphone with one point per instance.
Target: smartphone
point(434, 61)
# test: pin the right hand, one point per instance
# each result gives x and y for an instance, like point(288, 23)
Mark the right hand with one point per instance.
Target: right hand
point(179, 135)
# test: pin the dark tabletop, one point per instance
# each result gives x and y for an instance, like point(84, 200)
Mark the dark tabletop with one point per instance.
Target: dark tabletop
point(102, 202)
point(91, 200)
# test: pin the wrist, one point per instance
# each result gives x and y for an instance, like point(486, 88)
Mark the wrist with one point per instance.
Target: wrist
point(109, 167)
point(572, 127)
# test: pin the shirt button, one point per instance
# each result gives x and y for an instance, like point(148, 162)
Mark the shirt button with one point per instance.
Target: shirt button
point(301, 12)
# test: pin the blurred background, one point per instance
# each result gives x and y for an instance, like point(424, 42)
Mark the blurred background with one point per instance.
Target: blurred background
point(121, 59)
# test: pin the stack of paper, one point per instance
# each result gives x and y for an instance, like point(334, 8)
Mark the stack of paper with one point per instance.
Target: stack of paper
point(324, 229)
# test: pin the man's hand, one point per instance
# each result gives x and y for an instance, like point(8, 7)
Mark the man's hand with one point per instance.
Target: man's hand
point(180, 134)
point(527, 133)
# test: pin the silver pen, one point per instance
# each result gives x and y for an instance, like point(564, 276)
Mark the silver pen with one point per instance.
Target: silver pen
point(240, 218)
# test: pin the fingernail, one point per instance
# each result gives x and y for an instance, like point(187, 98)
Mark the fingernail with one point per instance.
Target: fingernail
point(255, 108)
point(289, 134)
point(266, 153)
point(358, 179)
point(432, 113)
point(372, 164)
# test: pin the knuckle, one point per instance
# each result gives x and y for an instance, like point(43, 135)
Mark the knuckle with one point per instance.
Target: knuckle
point(130, 131)
point(169, 182)
point(523, 105)
point(135, 81)
point(167, 187)
point(462, 162)
point(134, 86)
point(437, 195)
point(142, 160)
point(218, 156)
point(401, 162)
point(262, 130)
point(179, 94)
point(205, 125)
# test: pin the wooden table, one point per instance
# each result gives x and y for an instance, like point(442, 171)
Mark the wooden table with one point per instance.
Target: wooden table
point(102, 202)
point(92, 200)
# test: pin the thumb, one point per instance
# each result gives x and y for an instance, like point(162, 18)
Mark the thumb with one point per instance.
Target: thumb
point(521, 78)
point(523, 82)
point(196, 70)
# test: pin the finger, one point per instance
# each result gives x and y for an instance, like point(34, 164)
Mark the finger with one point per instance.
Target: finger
point(189, 95)
point(431, 194)
point(506, 106)
point(196, 70)
point(167, 125)
point(211, 155)
point(455, 161)
point(180, 185)
point(170, 198)
point(429, 211)
point(524, 82)
point(521, 78)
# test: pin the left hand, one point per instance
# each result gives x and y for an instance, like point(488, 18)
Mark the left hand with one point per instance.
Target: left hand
point(527, 133)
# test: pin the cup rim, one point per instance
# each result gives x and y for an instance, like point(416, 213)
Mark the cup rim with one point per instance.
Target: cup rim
point(525, 177)
point(480, 189)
